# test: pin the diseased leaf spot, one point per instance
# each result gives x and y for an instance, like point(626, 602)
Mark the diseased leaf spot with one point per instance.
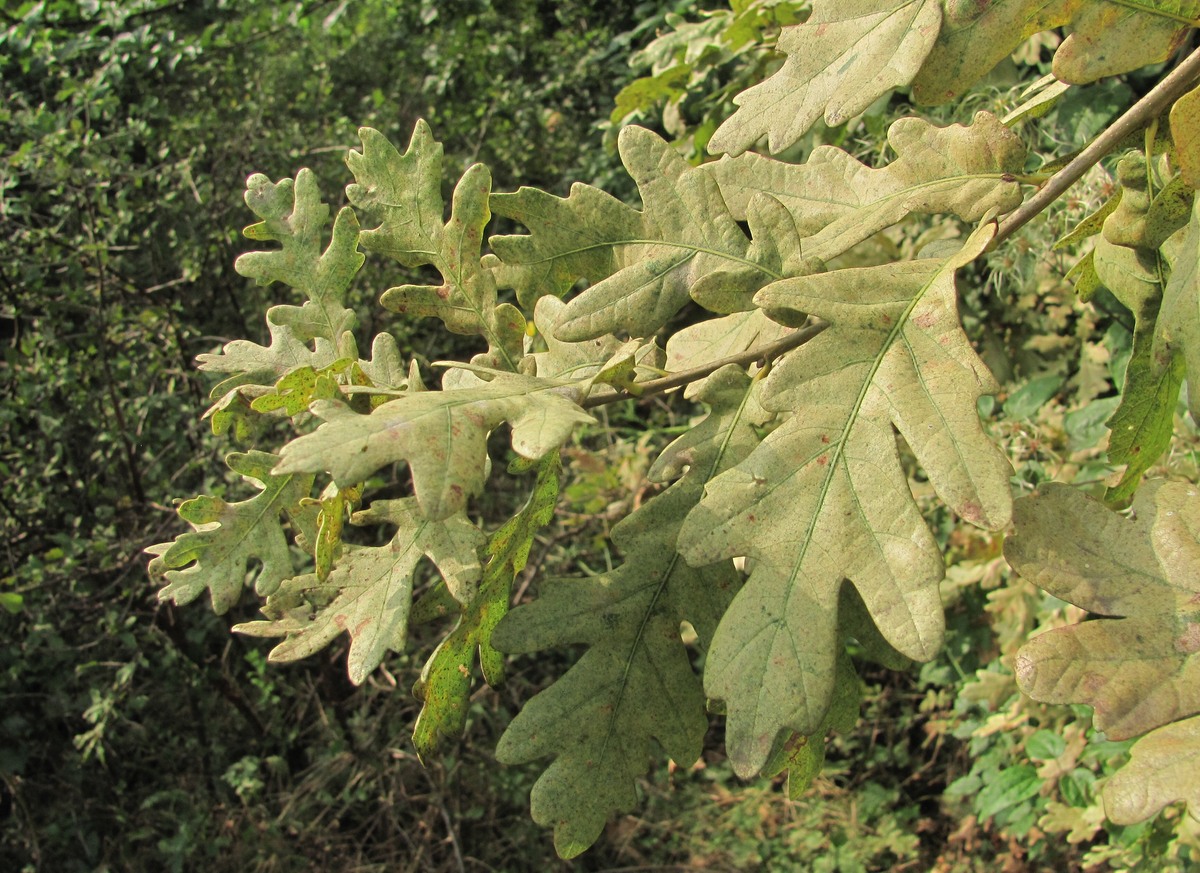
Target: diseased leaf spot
point(1189, 641)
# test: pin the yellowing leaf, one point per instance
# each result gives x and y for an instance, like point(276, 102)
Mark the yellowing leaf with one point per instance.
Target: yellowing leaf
point(848, 53)
point(823, 497)
point(1164, 767)
point(1185, 133)
point(229, 537)
point(369, 592)
point(837, 202)
point(1138, 672)
point(445, 683)
point(441, 434)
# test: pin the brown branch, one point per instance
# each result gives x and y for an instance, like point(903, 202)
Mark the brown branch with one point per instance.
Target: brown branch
point(1138, 116)
point(767, 353)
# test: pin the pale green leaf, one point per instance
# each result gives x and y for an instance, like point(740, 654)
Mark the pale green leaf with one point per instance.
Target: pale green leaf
point(718, 338)
point(823, 498)
point(848, 54)
point(441, 434)
point(1140, 671)
point(587, 361)
point(1110, 38)
point(634, 690)
point(229, 538)
point(589, 234)
point(1107, 38)
point(294, 216)
point(643, 266)
point(405, 190)
point(1164, 767)
point(369, 591)
point(837, 202)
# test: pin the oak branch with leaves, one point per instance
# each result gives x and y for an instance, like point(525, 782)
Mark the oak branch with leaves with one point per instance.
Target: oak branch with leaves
point(818, 374)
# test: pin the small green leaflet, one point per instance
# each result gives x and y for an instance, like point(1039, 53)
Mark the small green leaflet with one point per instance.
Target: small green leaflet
point(1131, 257)
point(369, 591)
point(823, 497)
point(635, 686)
point(1139, 672)
point(405, 190)
point(441, 434)
point(229, 537)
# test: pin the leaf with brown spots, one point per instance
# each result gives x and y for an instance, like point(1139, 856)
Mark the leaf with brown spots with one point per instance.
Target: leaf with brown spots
point(823, 498)
point(1138, 672)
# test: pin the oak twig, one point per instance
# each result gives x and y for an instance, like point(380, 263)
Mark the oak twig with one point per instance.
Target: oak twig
point(1139, 115)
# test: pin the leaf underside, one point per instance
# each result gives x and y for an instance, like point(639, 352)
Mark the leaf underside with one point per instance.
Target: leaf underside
point(635, 689)
point(823, 497)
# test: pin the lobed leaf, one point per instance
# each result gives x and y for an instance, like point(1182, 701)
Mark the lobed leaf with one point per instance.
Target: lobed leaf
point(229, 537)
point(293, 215)
point(1108, 37)
point(837, 202)
point(643, 266)
point(845, 56)
point(405, 190)
point(369, 592)
point(823, 498)
point(1164, 767)
point(635, 686)
point(442, 435)
point(1138, 672)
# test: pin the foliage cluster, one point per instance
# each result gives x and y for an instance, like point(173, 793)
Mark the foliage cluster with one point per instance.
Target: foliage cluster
point(811, 307)
point(132, 735)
